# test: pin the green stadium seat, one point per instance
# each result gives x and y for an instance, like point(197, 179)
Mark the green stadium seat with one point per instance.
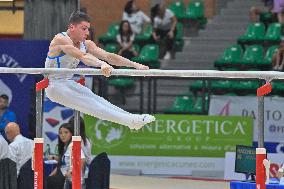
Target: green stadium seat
point(121, 82)
point(110, 36)
point(254, 33)
point(266, 17)
point(136, 48)
point(181, 104)
point(245, 87)
point(197, 108)
point(253, 56)
point(267, 61)
point(195, 11)
point(231, 55)
point(278, 87)
point(149, 56)
point(111, 47)
point(145, 36)
point(221, 86)
point(198, 85)
point(178, 44)
point(273, 34)
point(178, 9)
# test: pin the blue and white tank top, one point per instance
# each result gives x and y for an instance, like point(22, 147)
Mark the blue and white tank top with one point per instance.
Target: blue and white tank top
point(63, 61)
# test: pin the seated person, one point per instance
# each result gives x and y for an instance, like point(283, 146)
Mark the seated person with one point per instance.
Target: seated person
point(6, 115)
point(20, 148)
point(278, 57)
point(125, 39)
point(256, 12)
point(63, 168)
point(278, 8)
point(135, 17)
point(4, 150)
point(164, 24)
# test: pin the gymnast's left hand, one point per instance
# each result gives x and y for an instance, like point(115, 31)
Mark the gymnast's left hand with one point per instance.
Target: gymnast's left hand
point(141, 67)
point(106, 69)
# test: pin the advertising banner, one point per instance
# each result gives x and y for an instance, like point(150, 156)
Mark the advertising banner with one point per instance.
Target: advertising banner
point(172, 135)
point(246, 106)
point(173, 144)
point(19, 87)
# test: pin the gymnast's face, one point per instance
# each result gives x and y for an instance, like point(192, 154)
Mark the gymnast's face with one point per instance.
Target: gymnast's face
point(80, 31)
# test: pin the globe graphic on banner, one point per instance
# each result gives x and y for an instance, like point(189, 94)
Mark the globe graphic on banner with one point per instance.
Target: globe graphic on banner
point(108, 134)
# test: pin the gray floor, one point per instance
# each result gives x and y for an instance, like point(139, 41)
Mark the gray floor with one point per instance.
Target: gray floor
point(146, 182)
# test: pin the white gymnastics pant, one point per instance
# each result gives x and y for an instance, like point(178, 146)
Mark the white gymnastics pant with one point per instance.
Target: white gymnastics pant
point(73, 95)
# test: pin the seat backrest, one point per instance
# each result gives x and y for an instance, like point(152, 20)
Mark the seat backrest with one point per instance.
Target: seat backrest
point(270, 52)
point(274, 31)
point(26, 176)
point(8, 174)
point(150, 51)
point(178, 8)
point(253, 53)
point(233, 54)
point(179, 28)
point(112, 48)
point(256, 30)
point(183, 101)
point(148, 31)
point(196, 8)
point(113, 29)
point(199, 102)
point(99, 172)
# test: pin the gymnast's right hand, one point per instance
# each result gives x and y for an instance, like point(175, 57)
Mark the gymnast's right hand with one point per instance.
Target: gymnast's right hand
point(106, 69)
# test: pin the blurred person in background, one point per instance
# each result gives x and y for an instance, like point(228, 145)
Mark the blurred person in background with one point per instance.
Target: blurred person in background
point(6, 115)
point(255, 12)
point(4, 148)
point(278, 56)
point(125, 39)
point(135, 17)
point(20, 148)
point(164, 24)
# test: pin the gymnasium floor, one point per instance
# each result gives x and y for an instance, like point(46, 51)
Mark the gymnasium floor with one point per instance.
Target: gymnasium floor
point(147, 182)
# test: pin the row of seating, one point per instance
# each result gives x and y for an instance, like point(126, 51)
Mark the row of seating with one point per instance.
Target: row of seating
point(237, 87)
point(195, 11)
point(256, 34)
point(141, 39)
point(253, 57)
point(193, 104)
point(187, 103)
point(259, 36)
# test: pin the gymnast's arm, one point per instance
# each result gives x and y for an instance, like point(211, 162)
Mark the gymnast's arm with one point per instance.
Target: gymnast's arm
point(63, 44)
point(112, 58)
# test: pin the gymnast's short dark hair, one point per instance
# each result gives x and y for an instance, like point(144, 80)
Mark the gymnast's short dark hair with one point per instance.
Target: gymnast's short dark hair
point(78, 16)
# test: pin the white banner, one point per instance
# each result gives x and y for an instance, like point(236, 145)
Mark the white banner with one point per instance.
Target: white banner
point(248, 106)
point(167, 165)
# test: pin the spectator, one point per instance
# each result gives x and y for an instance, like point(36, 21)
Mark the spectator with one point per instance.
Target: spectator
point(278, 58)
point(6, 115)
point(255, 12)
point(278, 8)
point(125, 39)
point(135, 17)
point(4, 150)
point(66, 131)
point(20, 148)
point(86, 143)
point(164, 23)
